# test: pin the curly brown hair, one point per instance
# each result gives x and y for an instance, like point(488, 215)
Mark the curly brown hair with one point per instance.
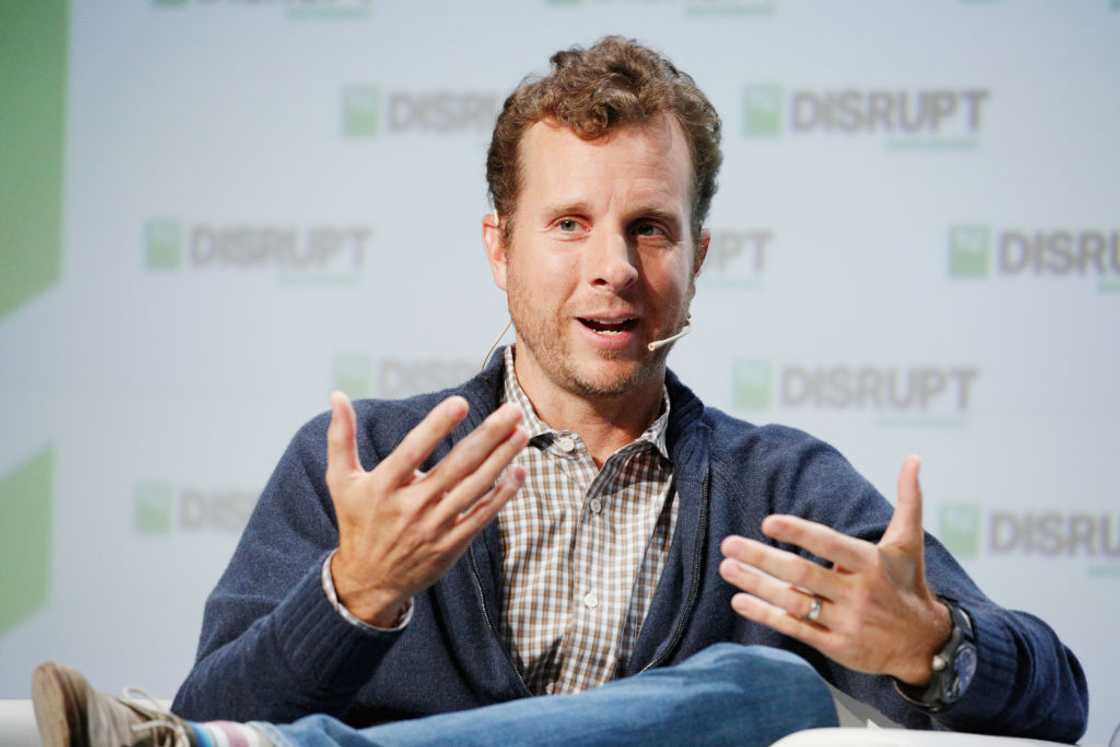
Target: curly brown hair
point(615, 82)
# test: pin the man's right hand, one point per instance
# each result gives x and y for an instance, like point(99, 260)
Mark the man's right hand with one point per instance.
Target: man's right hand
point(401, 529)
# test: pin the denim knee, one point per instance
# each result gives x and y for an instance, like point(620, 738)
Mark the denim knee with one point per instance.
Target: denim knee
point(766, 657)
point(784, 675)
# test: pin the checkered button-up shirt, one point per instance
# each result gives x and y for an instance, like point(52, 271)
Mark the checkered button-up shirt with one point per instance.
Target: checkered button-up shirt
point(583, 550)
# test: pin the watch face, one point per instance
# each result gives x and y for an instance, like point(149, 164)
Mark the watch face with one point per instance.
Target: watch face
point(964, 667)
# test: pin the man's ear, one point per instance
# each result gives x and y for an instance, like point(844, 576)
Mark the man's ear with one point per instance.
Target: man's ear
point(495, 247)
point(702, 250)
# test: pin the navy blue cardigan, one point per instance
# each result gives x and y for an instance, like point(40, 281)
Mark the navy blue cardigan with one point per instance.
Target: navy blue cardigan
point(272, 648)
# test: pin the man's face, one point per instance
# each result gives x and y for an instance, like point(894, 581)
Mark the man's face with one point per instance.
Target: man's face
point(601, 261)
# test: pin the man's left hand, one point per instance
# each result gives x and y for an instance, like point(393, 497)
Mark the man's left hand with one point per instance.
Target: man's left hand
point(877, 615)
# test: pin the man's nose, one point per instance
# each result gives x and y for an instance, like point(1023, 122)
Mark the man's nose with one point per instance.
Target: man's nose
point(613, 262)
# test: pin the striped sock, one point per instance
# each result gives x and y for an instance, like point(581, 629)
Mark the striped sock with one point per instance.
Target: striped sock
point(226, 734)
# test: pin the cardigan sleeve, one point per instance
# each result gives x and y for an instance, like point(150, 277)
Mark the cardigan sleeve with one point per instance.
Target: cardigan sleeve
point(272, 647)
point(1027, 682)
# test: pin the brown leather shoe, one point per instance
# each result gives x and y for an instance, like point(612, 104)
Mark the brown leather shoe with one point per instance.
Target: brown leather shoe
point(70, 713)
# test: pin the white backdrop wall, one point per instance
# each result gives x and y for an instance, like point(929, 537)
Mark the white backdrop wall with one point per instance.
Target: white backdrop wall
point(215, 211)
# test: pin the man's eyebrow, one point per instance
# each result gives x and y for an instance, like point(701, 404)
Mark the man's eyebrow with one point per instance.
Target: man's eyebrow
point(561, 208)
point(656, 213)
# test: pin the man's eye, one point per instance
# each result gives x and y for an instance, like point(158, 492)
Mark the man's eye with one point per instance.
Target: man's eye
point(568, 225)
point(648, 229)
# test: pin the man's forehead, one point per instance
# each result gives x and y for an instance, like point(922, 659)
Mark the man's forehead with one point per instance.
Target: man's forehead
point(552, 152)
point(662, 131)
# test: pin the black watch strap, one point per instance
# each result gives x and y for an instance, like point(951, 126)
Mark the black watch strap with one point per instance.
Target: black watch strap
point(953, 666)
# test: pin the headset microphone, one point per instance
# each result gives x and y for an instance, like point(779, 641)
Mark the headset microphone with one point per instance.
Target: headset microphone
point(661, 343)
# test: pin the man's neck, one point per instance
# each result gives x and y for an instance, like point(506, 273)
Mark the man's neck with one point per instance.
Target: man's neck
point(605, 424)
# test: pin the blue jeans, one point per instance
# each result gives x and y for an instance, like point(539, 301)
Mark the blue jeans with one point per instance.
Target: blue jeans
point(726, 694)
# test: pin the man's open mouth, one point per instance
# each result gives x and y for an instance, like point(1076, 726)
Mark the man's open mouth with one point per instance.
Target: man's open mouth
point(609, 327)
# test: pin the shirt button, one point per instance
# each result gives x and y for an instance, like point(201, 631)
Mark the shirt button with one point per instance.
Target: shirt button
point(590, 601)
point(596, 505)
point(566, 443)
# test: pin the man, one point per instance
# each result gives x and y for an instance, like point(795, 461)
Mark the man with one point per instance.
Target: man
point(575, 520)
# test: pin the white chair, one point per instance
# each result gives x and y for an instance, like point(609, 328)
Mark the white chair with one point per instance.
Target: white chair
point(17, 724)
point(879, 731)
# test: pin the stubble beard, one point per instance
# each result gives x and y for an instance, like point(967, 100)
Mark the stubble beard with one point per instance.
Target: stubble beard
point(548, 341)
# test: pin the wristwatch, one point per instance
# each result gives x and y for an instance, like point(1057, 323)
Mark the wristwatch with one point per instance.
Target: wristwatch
point(953, 666)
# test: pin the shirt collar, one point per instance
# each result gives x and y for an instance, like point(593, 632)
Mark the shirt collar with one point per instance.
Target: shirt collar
point(655, 434)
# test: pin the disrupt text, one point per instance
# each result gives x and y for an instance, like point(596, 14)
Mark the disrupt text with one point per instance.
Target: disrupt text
point(1059, 252)
point(728, 245)
point(867, 387)
point(908, 112)
point(247, 247)
point(1053, 533)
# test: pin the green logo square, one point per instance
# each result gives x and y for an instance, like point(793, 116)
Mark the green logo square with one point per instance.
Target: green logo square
point(153, 504)
point(27, 505)
point(163, 244)
point(959, 529)
point(33, 86)
point(752, 385)
point(360, 111)
point(353, 374)
point(970, 254)
point(762, 111)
